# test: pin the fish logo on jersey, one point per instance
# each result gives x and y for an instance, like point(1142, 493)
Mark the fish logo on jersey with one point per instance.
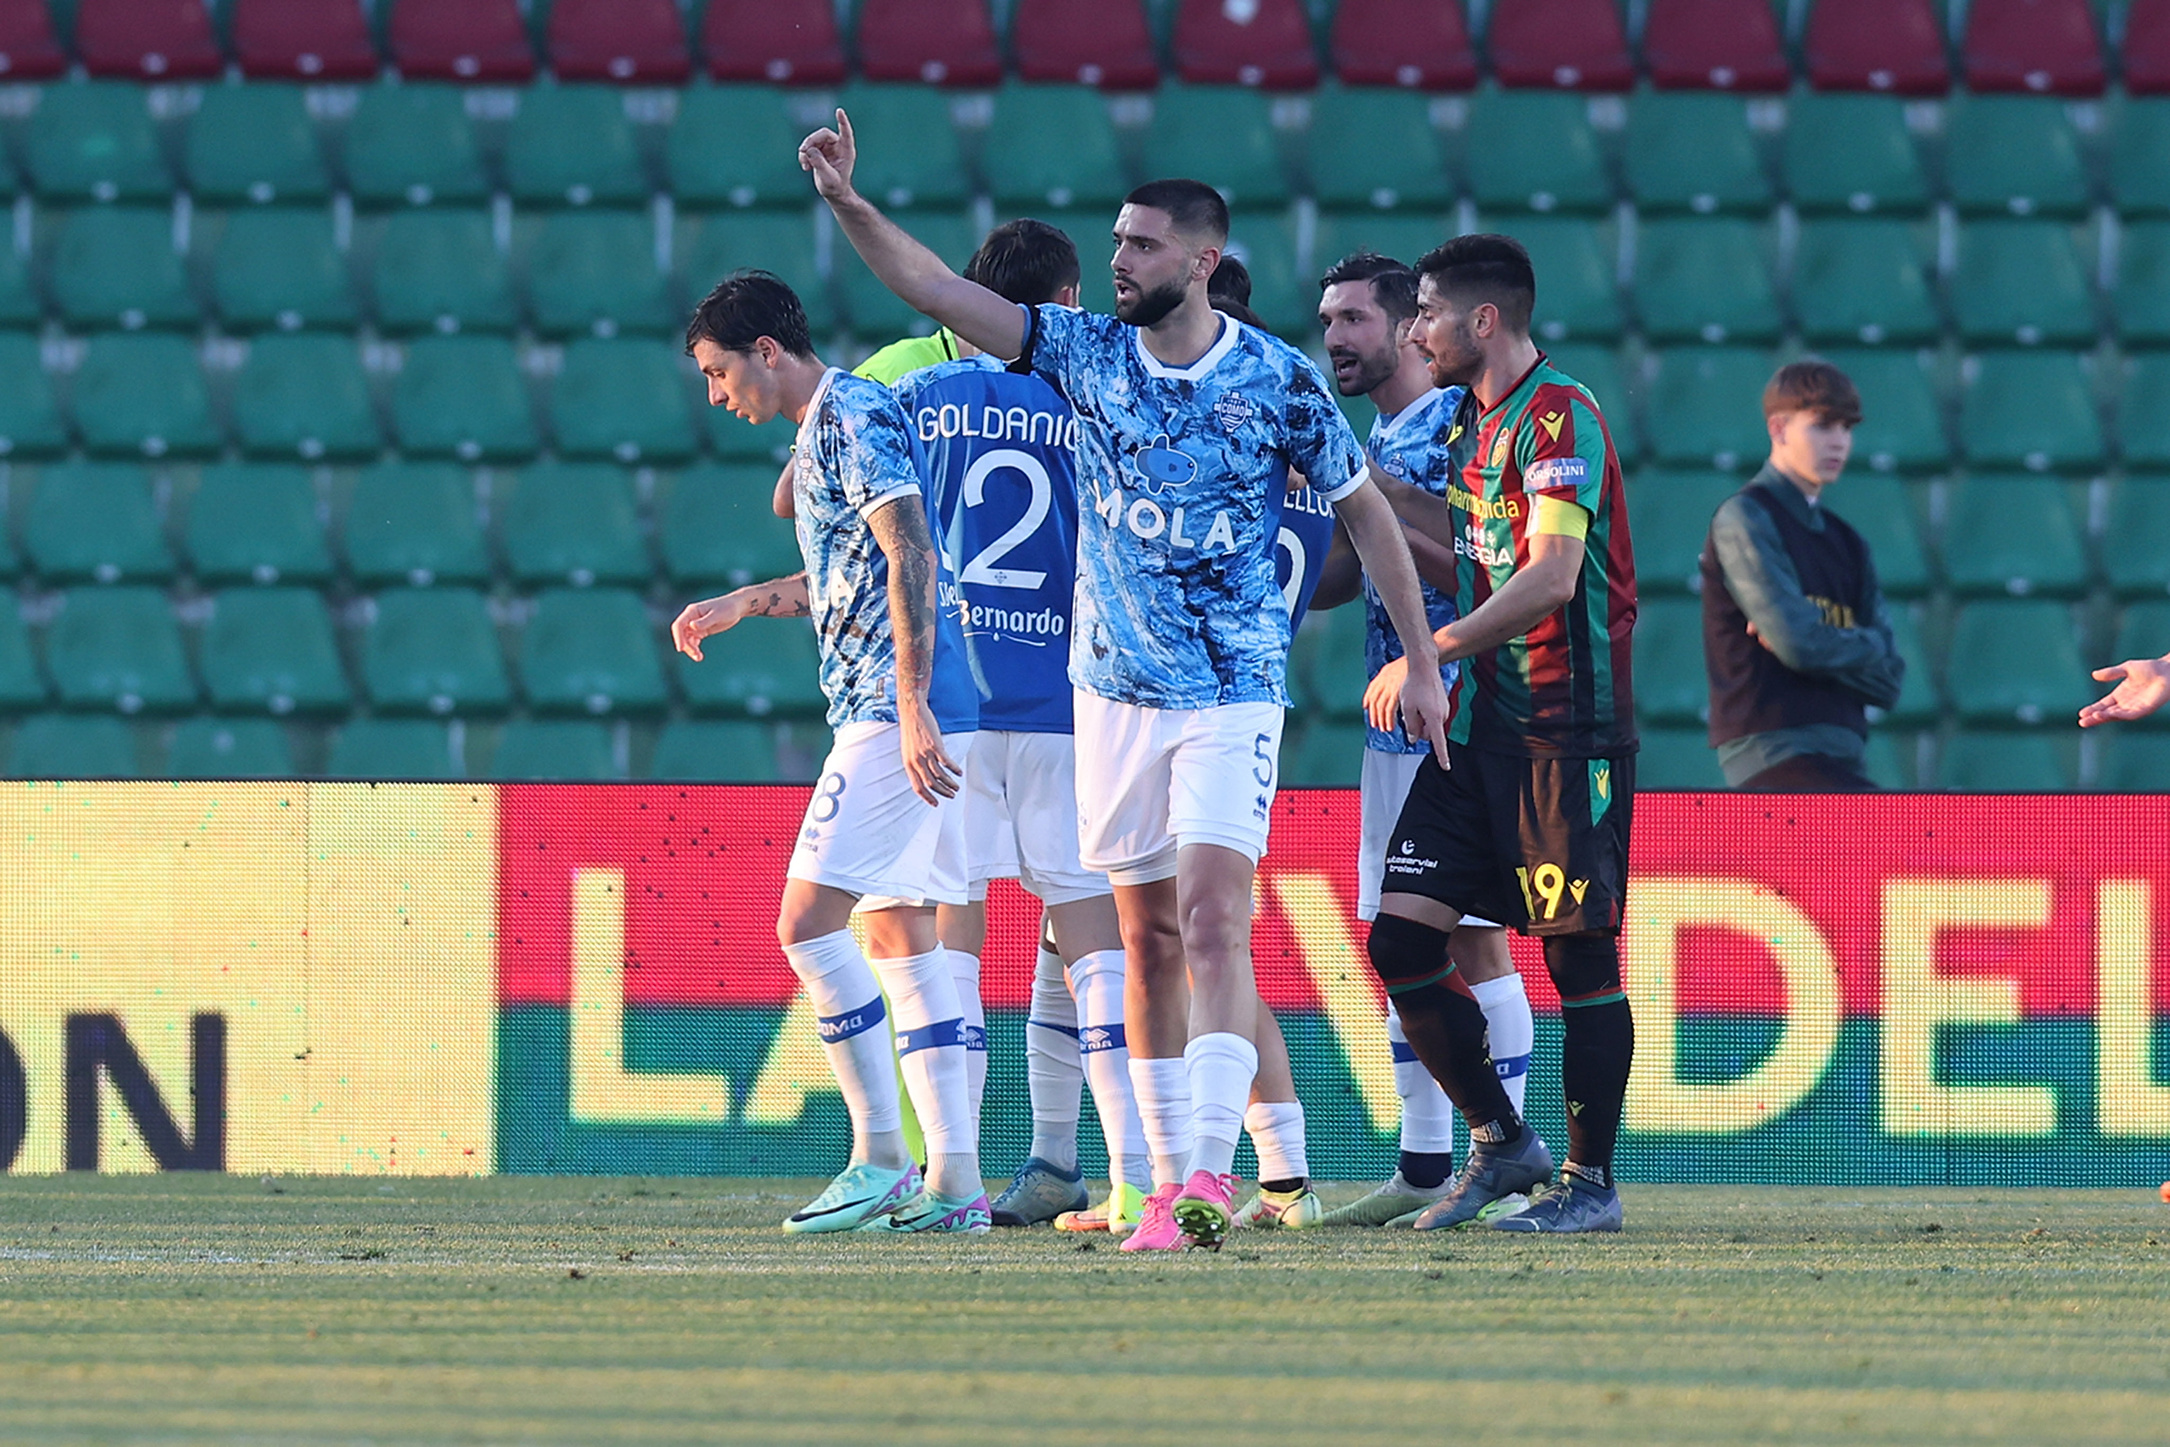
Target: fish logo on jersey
point(1163, 465)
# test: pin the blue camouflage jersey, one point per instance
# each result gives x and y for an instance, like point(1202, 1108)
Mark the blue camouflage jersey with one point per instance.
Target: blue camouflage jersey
point(1180, 479)
point(999, 454)
point(854, 455)
point(1412, 445)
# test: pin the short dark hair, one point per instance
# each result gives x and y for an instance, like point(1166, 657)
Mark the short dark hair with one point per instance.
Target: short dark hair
point(749, 305)
point(1393, 285)
point(1193, 206)
point(1813, 385)
point(1241, 311)
point(1025, 261)
point(1231, 279)
point(1486, 268)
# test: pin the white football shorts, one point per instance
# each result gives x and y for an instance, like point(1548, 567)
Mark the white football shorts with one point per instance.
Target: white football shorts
point(1153, 780)
point(1384, 788)
point(868, 834)
point(1020, 816)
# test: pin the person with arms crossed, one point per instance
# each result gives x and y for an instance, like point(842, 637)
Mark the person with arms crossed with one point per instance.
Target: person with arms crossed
point(1523, 817)
point(1796, 638)
point(1187, 421)
point(884, 831)
point(1367, 304)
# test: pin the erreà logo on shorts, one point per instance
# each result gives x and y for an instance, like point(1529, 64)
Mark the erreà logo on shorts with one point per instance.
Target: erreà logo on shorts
point(1162, 470)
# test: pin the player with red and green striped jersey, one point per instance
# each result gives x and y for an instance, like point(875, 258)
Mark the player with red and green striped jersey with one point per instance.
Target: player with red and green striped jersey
point(1526, 818)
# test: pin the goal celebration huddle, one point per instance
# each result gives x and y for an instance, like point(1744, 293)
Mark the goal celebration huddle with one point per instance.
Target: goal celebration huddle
point(1054, 562)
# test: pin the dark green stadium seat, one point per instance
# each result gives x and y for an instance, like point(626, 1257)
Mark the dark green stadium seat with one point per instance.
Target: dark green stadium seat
point(595, 272)
point(1285, 298)
point(2134, 763)
point(1600, 370)
point(20, 305)
point(1670, 683)
point(1864, 281)
point(1404, 235)
point(571, 522)
point(434, 650)
point(2023, 281)
point(2029, 409)
point(118, 648)
point(463, 397)
point(255, 144)
point(592, 650)
point(1852, 153)
point(1985, 555)
point(1693, 151)
point(71, 746)
point(305, 395)
point(731, 440)
point(2016, 155)
point(572, 145)
point(2144, 632)
point(2140, 302)
point(22, 686)
point(1325, 755)
point(415, 523)
point(281, 268)
point(30, 421)
point(1890, 758)
point(1534, 151)
point(230, 748)
point(1884, 511)
point(1051, 145)
point(1330, 679)
point(568, 749)
point(2139, 183)
point(96, 142)
point(1677, 758)
point(273, 649)
point(392, 748)
point(2016, 663)
point(908, 149)
point(1903, 430)
point(1578, 263)
point(414, 145)
point(1669, 517)
point(737, 751)
point(1376, 148)
point(714, 246)
point(1706, 407)
point(763, 666)
point(1705, 280)
point(116, 266)
point(2136, 539)
point(717, 529)
point(2143, 412)
point(805, 747)
point(440, 270)
point(1918, 698)
point(2028, 762)
point(735, 145)
point(874, 311)
point(95, 523)
point(622, 398)
point(1222, 131)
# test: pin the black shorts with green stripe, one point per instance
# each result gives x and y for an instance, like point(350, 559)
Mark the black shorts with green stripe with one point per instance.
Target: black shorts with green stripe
point(1541, 844)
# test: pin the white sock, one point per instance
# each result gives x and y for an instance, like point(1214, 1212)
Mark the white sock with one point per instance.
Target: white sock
point(1276, 1129)
point(1427, 1116)
point(1054, 1076)
point(854, 1028)
point(1512, 1031)
point(964, 970)
point(930, 1049)
point(1222, 1066)
point(1097, 981)
point(1164, 1113)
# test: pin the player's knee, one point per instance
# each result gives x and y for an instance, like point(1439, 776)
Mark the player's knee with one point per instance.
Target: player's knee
point(1405, 953)
point(1584, 967)
point(1154, 947)
point(1215, 924)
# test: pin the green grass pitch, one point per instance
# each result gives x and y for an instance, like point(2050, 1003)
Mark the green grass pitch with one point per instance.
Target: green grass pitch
point(221, 1309)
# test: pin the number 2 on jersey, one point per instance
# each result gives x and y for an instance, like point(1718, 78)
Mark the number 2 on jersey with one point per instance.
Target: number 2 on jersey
point(982, 568)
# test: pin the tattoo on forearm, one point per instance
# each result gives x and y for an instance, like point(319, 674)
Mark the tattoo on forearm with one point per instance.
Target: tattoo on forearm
point(901, 531)
point(784, 598)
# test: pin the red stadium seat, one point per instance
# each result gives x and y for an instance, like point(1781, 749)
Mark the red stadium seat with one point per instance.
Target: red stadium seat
point(147, 39)
point(1716, 45)
point(621, 40)
point(461, 40)
point(2145, 57)
point(28, 48)
point(1108, 44)
point(1886, 45)
point(1571, 44)
point(1421, 43)
point(1246, 42)
point(784, 42)
point(2045, 46)
point(303, 40)
point(941, 42)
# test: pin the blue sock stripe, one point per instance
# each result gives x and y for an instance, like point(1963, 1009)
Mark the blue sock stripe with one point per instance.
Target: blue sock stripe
point(933, 1036)
point(833, 1028)
point(1513, 1067)
point(1095, 1038)
point(975, 1038)
point(1069, 1030)
point(1404, 1052)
